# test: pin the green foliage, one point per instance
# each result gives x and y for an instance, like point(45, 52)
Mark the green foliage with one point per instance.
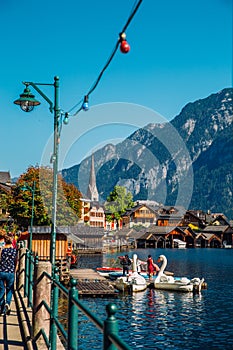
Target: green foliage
point(118, 201)
point(68, 199)
point(4, 200)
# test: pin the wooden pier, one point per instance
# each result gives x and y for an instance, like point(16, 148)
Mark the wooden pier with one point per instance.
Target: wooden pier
point(90, 283)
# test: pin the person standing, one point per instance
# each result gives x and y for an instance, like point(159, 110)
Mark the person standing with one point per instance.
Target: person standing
point(125, 262)
point(150, 266)
point(8, 263)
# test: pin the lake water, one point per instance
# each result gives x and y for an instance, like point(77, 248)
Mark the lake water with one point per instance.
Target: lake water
point(156, 319)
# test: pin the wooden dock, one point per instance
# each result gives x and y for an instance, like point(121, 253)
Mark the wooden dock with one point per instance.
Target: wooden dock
point(90, 283)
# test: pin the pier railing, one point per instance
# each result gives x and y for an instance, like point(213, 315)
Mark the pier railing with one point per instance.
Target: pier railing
point(42, 288)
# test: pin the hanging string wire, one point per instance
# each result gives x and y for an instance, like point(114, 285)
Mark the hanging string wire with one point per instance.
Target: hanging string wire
point(75, 106)
point(133, 12)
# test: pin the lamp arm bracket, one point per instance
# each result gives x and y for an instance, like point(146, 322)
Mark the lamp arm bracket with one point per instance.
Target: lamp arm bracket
point(34, 85)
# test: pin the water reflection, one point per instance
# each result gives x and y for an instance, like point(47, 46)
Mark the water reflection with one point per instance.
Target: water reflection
point(156, 319)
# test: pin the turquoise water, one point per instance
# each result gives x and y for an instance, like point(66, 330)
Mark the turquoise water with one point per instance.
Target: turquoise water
point(156, 319)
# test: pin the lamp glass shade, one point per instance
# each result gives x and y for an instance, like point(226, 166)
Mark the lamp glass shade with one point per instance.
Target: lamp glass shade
point(27, 101)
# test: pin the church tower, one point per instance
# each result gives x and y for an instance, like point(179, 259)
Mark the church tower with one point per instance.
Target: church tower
point(92, 192)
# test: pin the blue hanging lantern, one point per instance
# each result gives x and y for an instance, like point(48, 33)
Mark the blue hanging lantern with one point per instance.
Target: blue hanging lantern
point(85, 105)
point(66, 119)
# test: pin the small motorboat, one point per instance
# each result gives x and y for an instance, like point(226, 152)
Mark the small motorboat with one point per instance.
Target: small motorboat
point(226, 245)
point(106, 270)
point(133, 282)
point(179, 244)
point(182, 284)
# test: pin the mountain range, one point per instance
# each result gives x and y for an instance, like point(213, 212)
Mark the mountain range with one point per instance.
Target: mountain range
point(185, 162)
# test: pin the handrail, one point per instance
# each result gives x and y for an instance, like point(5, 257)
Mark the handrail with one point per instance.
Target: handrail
point(77, 302)
point(109, 327)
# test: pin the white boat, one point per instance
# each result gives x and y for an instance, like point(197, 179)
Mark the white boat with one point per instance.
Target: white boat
point(179, 244)
point(226, 246)
point(133, 282)
point(182, 284)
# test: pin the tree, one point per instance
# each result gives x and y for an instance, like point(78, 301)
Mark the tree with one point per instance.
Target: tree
point(118, 201)
point(7, 222)
point(68, 199)
point(4, 200)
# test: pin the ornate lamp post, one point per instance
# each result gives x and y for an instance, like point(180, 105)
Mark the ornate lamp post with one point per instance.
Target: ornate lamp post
point(26, 187)
point(27, 102)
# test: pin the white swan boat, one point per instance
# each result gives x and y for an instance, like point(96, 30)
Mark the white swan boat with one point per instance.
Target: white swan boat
point(133, 282)
point(182, 284)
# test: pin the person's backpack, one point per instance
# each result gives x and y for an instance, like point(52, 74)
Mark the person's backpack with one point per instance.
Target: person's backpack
point(125, 262)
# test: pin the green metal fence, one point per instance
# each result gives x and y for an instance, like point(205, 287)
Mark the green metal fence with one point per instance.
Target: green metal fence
point(108, 327)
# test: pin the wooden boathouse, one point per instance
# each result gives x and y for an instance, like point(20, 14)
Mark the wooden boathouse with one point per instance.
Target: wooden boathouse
point(68, 238)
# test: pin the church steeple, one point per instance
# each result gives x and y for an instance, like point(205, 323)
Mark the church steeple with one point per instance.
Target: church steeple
point(92, 192)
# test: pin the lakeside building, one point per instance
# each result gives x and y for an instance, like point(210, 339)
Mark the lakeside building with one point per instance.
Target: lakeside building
point(140, 214)
point(144, 225)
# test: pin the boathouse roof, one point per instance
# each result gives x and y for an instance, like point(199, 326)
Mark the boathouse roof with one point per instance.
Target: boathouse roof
point(216, 228)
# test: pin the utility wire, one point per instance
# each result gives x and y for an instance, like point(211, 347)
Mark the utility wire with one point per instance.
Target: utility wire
point(132, 15)
point(133, 12)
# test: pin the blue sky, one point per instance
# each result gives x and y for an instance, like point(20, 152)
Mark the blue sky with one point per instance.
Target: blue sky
point(180, 52)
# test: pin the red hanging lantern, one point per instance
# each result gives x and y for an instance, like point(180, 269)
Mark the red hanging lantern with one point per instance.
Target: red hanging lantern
point(124, 46)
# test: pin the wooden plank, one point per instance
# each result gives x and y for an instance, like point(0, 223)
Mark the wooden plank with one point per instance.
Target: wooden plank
point(86, 274)
point(90, 283)
point(99, 288)
point(83, 251)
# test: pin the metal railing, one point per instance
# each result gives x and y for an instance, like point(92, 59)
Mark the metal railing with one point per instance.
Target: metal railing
point(69, 336)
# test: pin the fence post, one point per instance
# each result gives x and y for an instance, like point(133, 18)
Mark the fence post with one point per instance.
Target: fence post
point(30, 277)
point(54, 310)
point(41, 292)
point(72, 317)
point(26, 273)
point(110, 326)
point(21, 270)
